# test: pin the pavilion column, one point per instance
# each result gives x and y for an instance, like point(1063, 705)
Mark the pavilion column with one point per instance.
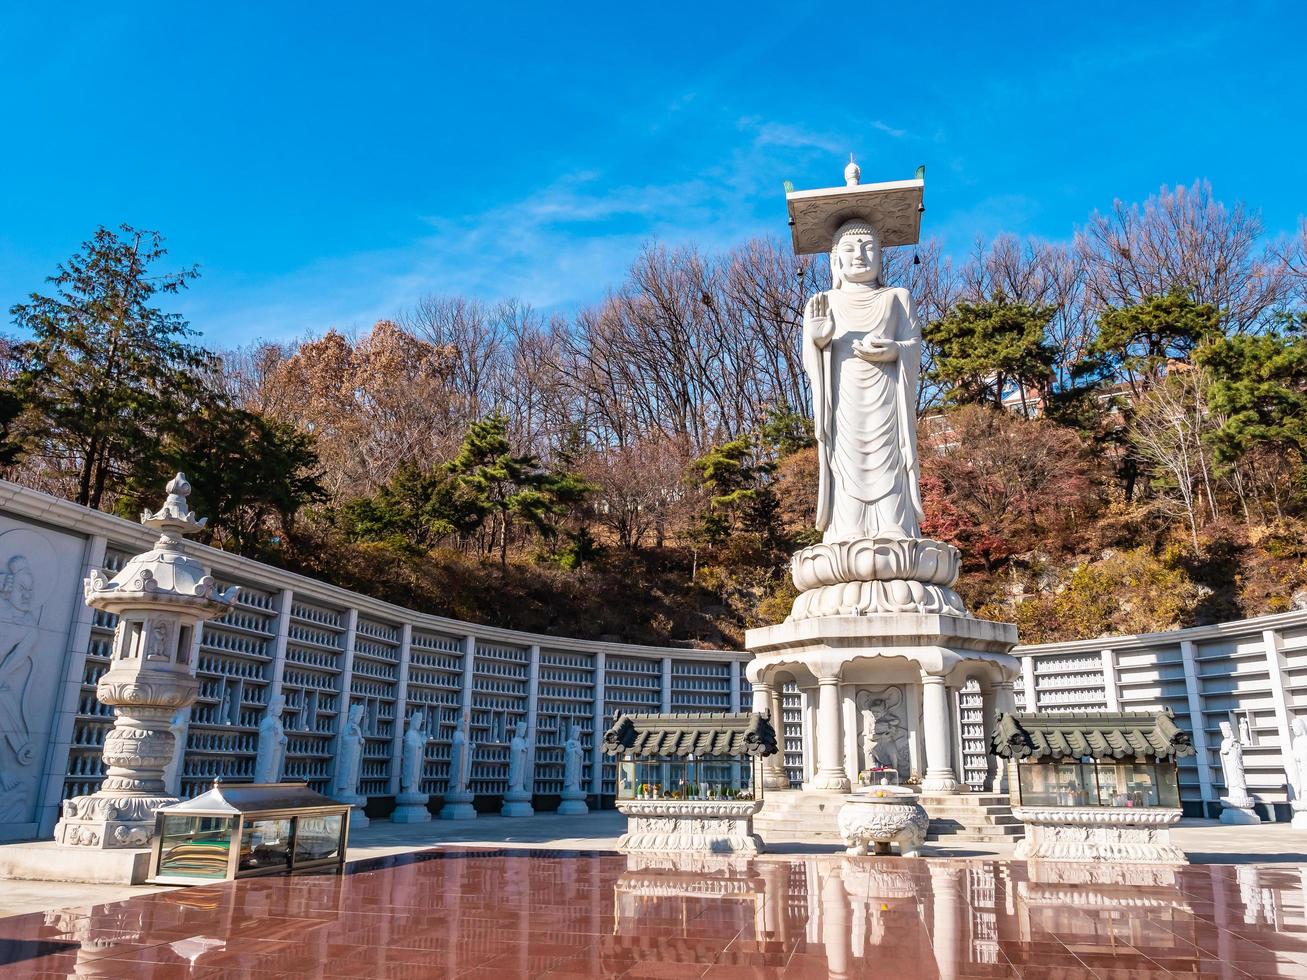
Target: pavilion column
point(830, 745)
point(773, 766)
point(940, 777)
point(1005, 702)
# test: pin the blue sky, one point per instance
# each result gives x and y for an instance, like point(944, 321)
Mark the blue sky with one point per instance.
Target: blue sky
point(327, 164)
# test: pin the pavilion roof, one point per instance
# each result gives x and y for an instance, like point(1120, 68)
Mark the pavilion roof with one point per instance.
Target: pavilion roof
point(1101, 735)
point(705, 734)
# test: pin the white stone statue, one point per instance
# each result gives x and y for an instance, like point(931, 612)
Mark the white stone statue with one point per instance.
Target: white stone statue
point(517, 800)
point(868, 739)
point(350, 755)
point(517, 758)
point(1298, 771)
point(458, 798)
point(414, 753)
point(574, 797)
point(460, 760)
point(272, 744)
point(572, 753)
point(1236, 805)
point(862, 354)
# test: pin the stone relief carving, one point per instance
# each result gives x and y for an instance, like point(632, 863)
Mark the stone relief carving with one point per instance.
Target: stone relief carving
point(884, 729)
point(32, 577)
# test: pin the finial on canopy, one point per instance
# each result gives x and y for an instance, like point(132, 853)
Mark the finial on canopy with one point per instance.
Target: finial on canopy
point(852, 173)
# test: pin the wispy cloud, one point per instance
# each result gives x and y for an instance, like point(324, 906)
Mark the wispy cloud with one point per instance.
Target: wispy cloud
point(889, 130)
point(556, 248)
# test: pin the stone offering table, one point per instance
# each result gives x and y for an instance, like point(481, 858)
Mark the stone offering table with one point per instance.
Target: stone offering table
point(882, 816)
point(702, 826)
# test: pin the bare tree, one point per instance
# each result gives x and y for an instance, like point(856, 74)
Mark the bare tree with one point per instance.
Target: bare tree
point(1185, 238)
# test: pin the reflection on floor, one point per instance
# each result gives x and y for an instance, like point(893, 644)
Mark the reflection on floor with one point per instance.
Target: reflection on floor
point(499, 913)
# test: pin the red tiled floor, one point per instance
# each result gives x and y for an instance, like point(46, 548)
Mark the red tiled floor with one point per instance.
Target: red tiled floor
point(487, 914)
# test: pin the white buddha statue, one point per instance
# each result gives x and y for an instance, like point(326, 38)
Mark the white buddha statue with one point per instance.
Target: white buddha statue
point(862, 354)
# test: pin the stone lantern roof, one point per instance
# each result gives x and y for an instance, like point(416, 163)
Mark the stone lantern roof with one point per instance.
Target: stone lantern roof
point(165, 575)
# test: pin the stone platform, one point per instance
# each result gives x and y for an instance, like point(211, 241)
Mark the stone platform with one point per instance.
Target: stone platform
point(48, 861)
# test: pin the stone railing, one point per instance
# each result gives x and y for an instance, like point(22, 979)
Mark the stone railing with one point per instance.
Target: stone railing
point(318, 646)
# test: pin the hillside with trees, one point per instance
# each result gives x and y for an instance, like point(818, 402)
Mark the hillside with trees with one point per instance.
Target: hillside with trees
point(1113, 430)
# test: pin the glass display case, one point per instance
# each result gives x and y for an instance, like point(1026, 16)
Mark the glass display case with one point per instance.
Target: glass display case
point(242, 830)
point(1097, 782)
point(690, 778)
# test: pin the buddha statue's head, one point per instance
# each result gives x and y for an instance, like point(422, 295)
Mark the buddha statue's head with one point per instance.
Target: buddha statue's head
point(855, 254)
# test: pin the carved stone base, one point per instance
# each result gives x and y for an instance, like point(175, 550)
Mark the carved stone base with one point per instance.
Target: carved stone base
point(573, 804)
point(693, 826)
point(109, 821)
point(1238, 814)
point(412, 808)
point(865, 822)
point(517, 803)
point(829, 781)
point(458, 806)
point(940, 781)
point(870, 598)
point(876, 575)
point(1091, 834)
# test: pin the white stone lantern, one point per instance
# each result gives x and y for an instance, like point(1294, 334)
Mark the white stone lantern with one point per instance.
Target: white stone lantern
point(159, 598)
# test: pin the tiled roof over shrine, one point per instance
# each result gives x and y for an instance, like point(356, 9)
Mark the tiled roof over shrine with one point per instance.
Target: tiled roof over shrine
point(709, 734)
point(1100, 735)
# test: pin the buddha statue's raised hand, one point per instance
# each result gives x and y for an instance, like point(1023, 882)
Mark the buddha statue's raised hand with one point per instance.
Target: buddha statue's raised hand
point(817, 323)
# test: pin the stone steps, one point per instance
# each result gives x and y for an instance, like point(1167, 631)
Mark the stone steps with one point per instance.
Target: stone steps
point(796, 816)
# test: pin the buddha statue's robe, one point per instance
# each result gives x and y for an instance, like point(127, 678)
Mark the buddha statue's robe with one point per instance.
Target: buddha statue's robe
point(865, 417)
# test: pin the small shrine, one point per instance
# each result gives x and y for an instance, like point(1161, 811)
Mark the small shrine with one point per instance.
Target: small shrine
point(690, 782)
point(1094, 787)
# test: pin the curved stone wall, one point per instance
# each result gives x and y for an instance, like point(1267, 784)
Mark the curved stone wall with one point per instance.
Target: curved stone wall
point(321, 648)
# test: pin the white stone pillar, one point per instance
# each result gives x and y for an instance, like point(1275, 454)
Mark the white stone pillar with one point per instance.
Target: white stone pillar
point(1028, 684)
point(808, 733)
point(532, 717)
point(1197, 723)
point(401, 710)
point(773, 766)
point(1275, 671)
point(940, 777)
point(597, 738)
point(849, 722)
point(1005, 701)
point(1111, 692)
point(762, 702)
point(830, 749)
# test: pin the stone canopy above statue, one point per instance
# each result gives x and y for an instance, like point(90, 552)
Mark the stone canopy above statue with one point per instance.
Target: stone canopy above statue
point(893, 208)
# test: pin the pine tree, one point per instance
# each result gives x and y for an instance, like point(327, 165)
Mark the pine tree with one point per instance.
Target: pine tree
point(981, 349)
point(106, 375)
